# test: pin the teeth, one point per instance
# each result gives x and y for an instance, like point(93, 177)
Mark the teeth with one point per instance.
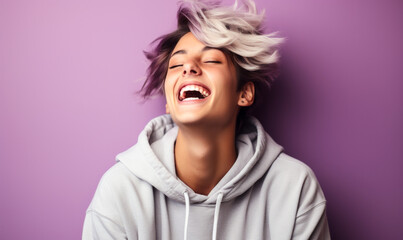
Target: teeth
point(200, 89)
point(190, 98)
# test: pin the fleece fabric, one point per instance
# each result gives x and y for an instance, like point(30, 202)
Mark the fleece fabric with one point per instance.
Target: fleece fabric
point(265, 195)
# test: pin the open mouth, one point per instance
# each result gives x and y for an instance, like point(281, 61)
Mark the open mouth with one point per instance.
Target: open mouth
point(193, 92)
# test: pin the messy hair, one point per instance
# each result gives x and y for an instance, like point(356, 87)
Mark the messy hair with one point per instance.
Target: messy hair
point(236, 30)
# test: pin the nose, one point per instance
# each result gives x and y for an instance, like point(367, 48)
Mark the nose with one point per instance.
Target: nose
point(191, 68)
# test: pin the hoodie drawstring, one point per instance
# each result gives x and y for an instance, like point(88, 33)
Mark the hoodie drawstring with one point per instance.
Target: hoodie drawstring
point(216, 214)
point(186, 215)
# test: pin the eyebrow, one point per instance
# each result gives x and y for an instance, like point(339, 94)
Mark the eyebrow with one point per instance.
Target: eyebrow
point(182, 51)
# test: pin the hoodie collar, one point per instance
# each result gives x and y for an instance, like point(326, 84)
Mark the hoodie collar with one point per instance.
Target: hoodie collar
point(152, 160)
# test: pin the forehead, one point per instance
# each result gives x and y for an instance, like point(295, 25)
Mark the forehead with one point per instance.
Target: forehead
point(188, 43)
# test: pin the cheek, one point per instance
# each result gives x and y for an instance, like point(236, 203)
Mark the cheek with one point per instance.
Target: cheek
point(169, 92)
point(166, 90)
point(167, 84)
point(169, 79)
point(229, 82)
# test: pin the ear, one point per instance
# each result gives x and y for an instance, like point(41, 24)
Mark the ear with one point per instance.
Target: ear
point(247, 95)
point(167, 108)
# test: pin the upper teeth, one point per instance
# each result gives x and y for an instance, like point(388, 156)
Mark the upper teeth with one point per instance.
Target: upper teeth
point(198, 88)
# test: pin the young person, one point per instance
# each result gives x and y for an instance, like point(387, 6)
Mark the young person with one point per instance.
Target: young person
point(208, 170)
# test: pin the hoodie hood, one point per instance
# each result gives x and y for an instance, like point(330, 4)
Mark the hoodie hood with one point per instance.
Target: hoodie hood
point(152, 160)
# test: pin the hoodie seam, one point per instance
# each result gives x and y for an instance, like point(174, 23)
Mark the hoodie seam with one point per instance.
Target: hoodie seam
point(237, 184)
point(169, 124)
point(312, 208)
point(171, 188)
point(92, 211)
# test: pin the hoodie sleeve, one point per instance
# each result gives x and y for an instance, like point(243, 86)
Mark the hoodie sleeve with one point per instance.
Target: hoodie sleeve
point(102, 219)
point(312, 224)
point(311, 221)
point(97, 226)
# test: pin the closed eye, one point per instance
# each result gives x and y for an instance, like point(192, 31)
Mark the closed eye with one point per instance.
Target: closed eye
point(175, 66)
point(212, 62)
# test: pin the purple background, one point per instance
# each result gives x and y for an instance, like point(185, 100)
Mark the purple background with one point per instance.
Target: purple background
point(69, 70)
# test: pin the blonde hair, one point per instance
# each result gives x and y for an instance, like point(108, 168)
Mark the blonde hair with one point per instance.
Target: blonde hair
point(236, 29)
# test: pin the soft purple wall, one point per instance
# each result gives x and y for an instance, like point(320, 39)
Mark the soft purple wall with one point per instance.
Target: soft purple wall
point(68, 71)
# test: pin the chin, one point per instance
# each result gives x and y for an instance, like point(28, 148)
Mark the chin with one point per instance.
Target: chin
point(187, 119)
point(200, 120)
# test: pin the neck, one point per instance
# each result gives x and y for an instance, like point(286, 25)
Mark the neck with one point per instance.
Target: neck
point(203, 156)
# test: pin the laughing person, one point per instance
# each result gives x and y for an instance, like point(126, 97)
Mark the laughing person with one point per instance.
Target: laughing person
point(207, 170)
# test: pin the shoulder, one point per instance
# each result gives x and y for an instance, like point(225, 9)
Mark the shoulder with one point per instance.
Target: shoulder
point(116, 174)
point(118, 179)
point(295, 179)
point(289, 166)
point(116, 186)
point(115, 178)
point(119, 194)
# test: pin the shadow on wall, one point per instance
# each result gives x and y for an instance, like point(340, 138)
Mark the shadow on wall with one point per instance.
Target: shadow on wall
point(288, 116)
point(280, 108)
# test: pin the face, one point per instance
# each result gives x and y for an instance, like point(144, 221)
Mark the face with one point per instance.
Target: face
point(201, 85)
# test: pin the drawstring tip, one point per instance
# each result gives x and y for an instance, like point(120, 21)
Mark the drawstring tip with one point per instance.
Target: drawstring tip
point(187, 202)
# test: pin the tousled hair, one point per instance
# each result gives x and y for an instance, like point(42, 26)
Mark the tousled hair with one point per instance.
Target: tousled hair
point(237, 30)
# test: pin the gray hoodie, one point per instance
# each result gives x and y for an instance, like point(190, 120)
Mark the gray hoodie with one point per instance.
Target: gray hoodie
point(265, 195)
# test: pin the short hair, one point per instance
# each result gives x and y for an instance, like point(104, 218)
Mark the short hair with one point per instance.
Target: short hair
point(236, 30)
